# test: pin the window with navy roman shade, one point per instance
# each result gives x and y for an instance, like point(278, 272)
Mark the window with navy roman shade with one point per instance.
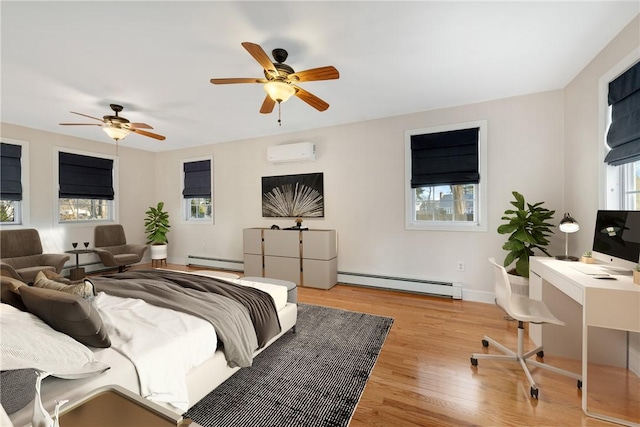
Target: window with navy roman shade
point(197, 179)
point(623, 136)
point(85, 177)
point(10, 172)
point(445, 158)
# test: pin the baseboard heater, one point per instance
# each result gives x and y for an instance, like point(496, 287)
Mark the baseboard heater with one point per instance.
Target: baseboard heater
point(217, 263)
point(430, 287)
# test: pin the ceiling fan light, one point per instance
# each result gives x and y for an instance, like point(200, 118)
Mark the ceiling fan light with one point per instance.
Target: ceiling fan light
point(116, 133)
point(279, 91)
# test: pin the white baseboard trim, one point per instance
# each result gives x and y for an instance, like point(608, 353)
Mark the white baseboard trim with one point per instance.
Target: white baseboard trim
point(423, 286)
point(217, 263)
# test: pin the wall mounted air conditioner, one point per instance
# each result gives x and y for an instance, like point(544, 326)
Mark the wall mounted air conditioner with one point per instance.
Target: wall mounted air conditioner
point(300, 152)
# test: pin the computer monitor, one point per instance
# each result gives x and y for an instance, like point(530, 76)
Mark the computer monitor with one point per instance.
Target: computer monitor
point(616, 240)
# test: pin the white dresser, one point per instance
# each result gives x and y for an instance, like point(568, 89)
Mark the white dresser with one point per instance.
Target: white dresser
point(305, 257)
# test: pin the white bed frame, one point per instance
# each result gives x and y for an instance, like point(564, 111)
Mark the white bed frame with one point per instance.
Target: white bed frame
point(201, 380)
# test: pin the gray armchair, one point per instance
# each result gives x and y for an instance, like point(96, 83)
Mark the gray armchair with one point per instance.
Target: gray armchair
point(112, 247)
point(21, 255)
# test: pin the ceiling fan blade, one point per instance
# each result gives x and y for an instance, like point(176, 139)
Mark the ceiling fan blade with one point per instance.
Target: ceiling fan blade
point(91, 117)
point(311, 99)
point(322, 73)
point(259, 55)
point(267, 105)
point(149, 134)
point(140, 125)
point(80, 124)
point(237, 80)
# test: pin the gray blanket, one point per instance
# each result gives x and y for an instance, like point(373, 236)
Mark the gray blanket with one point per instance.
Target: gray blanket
point(244, 318)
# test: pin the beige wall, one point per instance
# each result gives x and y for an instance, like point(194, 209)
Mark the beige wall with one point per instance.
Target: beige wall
point(363, 166)
point(584, 139)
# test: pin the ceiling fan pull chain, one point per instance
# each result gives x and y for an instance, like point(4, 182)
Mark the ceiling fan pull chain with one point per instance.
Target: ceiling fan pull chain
point(279, 121)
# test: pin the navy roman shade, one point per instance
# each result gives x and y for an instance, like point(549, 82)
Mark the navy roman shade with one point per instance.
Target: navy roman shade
point(623, 136)
point(10, 172)
point(445, 158)
point(197, 179)
point(85, 177)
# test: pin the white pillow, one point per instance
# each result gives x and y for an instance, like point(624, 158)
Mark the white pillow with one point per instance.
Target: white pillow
point(28, 342)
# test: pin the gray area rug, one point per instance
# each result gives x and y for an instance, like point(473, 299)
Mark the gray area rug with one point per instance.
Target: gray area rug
point(313, 377)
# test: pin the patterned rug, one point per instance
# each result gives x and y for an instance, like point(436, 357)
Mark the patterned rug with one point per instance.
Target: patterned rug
point(313, 377)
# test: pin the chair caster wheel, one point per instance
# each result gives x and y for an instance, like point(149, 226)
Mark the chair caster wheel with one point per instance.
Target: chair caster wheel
point(534, 393)
point(580, 384)
point(485, 343)
point(540, 354)
point(474, 361)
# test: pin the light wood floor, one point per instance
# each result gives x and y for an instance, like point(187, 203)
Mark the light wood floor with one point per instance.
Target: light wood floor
point(423, 376)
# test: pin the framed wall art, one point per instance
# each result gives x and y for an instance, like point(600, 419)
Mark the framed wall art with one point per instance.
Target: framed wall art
point(293, 196)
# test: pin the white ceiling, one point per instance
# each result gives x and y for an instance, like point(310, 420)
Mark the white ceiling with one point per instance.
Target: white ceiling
point(156, 58)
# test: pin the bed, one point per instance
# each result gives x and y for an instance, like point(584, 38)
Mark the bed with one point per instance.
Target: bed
point(185, 323)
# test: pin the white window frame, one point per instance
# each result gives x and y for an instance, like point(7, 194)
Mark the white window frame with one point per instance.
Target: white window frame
point(186, 203)
point(113, 217)
point(480, 224)
point(21, 210)
point(611, 178)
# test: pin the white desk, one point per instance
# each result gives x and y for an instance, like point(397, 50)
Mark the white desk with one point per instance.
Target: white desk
point(608, 304)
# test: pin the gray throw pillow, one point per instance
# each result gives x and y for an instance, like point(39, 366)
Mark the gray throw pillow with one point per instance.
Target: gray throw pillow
point(67, 313)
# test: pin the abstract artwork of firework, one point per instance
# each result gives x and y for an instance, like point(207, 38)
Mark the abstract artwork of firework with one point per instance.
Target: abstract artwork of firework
point(292, 196)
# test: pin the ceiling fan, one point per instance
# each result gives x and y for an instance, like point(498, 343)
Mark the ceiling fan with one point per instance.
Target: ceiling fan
point(117, 127)
point(280, 80)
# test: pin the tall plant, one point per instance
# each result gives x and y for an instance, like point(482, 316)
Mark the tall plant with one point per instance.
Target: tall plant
point(156, 225)
point(528, 229)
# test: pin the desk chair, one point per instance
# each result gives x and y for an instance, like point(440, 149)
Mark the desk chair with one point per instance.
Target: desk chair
point(523, 309)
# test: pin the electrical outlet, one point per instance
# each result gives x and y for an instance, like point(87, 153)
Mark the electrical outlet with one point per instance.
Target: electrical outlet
point(460, 265)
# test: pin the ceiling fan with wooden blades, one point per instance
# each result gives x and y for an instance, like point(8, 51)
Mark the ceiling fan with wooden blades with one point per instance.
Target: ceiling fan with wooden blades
point(117, 127)
point(280, 80)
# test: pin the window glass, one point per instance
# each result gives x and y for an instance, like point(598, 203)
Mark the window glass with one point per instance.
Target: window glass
point(85, 210)
point(199, 208)
point(447, 203)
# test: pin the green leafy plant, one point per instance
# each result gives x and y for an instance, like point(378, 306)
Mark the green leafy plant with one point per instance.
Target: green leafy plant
point(156, 225)
point(587, 254)
point(528, 229)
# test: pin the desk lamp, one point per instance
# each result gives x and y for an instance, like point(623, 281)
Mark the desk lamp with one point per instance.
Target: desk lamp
point(568, 225)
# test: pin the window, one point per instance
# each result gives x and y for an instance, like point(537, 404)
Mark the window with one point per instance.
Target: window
point(622, 136)
point(86, 188)
point(445, 174)
point(196, 190)
point(13, 174)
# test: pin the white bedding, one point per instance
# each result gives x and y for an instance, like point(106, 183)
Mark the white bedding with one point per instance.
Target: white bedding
point(155, 339)
point(28, 342)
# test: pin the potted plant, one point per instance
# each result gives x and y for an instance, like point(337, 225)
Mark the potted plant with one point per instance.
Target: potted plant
point(528, 228)
point(156, 227)
point(588, 258)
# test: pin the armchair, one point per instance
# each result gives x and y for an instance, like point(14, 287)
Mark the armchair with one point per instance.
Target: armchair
point(21, 255)
point(112, 247)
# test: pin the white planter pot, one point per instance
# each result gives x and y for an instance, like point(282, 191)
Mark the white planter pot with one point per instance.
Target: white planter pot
point(519, 285)
point(158, 251)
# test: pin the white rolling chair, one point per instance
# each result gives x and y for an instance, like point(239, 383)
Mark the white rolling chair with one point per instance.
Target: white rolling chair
point(523, 309)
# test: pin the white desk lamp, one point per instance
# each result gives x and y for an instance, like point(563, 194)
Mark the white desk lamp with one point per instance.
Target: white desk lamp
point(568, 225)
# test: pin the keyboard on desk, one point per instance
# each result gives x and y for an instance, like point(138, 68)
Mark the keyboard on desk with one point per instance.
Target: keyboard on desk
point(600, 270)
